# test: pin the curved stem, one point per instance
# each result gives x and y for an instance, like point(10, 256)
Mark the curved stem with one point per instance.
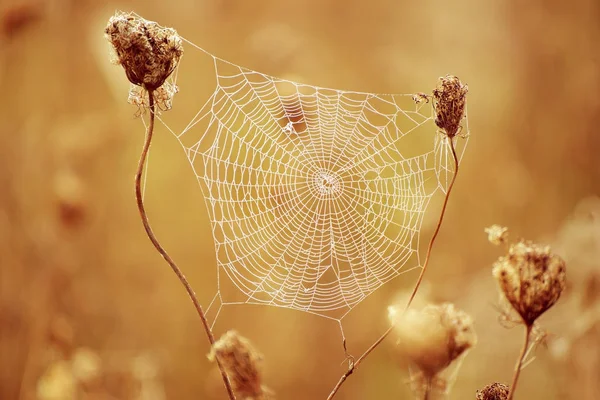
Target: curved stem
point(161, 250)
point(439, 224)
point(427, 393)
point(414, 292)
point(513, 385)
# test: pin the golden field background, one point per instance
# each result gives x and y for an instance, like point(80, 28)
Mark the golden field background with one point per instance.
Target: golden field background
point(82, 289)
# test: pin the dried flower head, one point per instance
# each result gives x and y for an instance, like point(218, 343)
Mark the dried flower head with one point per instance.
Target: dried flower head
point(449, 99)
point(241, 362)
point(497, 234)
point(531, 278)
point(148, 52)
point(434, 337)
point(493, 391)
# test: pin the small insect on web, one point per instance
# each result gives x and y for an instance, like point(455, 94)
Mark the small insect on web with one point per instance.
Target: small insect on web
point(316, 196)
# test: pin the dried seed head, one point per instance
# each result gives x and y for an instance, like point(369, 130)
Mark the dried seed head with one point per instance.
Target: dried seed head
point(148, 52)
point(493, 391)
point(497, 234)
point(449, 99)
point(531, 278)
point(434, 337)
point(241, 362)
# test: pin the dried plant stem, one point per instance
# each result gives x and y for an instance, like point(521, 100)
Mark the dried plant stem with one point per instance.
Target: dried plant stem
point(513, 385)
point(355, 364)
point(427, 389)
point(158, 246)
point(438, 226)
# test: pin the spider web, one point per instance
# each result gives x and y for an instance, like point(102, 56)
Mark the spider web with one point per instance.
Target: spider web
point(316, 196)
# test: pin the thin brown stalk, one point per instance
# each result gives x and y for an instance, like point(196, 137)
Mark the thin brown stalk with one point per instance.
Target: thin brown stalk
point(438, 226)
point(161, 250)
point(427, 393)
point(513, 385)
point(355, 364)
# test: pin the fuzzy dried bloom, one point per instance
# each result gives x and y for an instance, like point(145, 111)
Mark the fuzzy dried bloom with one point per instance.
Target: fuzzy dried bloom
point(148, 52)
point(531, 278)
point(449, 99)
point(497, 234)
point(493, 391)
point(434, 337)
point(241, 362)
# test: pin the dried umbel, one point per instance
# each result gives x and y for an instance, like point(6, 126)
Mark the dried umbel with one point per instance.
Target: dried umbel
point(494, 391)
point(449, 99)
point(434, 337)
point(148, 52)
point(531, 278)
point(241, 362)
point(497, 234)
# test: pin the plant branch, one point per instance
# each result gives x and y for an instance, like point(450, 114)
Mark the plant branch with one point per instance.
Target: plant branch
point(355, 365)
point(427, 393)
point(158, 246)
point(438, 226)
point(513, 385)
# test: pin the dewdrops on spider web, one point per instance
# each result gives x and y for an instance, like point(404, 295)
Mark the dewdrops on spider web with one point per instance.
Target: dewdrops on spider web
point(148, 53)
point(325, 175)
point(241, 361)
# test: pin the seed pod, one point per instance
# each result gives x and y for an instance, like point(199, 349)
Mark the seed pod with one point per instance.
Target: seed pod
point(449, 99)
point(493, 391)
point(434, 337)
point(531, 278)
point(148, 52)
point(241, 361)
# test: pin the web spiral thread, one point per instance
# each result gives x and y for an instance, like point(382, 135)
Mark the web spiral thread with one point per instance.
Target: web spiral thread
point(316, 196)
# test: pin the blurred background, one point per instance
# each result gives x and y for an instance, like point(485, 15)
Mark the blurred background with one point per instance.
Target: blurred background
point(88, 309)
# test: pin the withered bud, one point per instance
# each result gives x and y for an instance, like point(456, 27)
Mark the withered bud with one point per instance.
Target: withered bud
point(434, 337)
point(497, 234)
point(493, 391)
point(148, 52)
point(241, 361)
point(449, 99)
point(531, 278)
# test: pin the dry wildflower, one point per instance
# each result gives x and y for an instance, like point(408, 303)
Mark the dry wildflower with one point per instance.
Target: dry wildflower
point(148, 52)
point(449, 99)
point(241, 362)
point(531, 278)
point(434, 337)
point(497, 234)
point(493, 391)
